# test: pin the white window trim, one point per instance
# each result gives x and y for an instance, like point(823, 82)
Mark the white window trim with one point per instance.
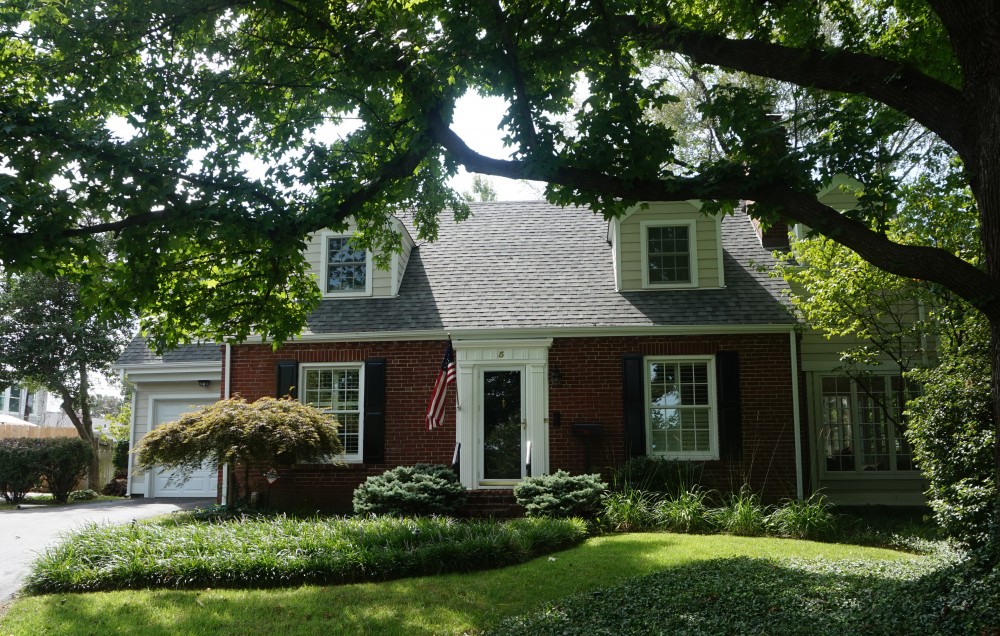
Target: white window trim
point(692, 225)
point(858, 471)
point(713, 409)
point(353, 458)
point(325, 237)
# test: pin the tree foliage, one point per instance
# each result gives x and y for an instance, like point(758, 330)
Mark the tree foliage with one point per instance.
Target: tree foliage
point(348, 106)
point(265, 433)
point(49, 337)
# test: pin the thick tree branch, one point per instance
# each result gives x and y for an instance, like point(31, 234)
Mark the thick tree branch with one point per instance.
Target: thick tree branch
point(896, 84)
point(911, 261)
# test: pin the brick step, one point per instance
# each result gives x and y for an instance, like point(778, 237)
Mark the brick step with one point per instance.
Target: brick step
point(498, 504)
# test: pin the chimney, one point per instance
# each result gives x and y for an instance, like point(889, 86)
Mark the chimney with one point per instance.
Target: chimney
point(774, 237)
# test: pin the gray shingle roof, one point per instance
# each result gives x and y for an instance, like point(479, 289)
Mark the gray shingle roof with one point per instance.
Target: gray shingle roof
point(531, 265)
point(138, 353)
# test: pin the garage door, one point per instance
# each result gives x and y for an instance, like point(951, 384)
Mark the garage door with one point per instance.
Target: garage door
point(202, 482)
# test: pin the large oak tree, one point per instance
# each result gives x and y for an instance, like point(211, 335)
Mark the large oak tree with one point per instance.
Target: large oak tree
point(204, 249)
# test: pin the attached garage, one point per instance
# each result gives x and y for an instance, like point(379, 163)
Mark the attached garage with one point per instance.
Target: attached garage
point(201, 483)
point(166, 386)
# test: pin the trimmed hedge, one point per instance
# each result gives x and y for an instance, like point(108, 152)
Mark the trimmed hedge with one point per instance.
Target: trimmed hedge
point(61, 462)
point(19, 468)
point(407, 491)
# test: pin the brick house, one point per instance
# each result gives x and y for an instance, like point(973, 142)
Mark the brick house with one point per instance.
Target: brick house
point(579, 343)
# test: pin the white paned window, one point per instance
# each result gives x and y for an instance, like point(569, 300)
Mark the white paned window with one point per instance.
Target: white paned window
point(10, 399)
point(863, 424)
point(337, 390)
point(669, 254)
point(681, 408)
point(347, 268)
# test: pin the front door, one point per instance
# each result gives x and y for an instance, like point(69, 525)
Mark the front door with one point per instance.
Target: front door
point(502, 426)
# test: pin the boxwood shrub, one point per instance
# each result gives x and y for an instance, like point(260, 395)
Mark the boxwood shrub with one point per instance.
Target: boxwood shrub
point(423, 489)
point(64, 462)
point(561, 495)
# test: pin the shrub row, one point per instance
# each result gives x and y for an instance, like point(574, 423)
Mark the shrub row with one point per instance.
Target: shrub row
point(61, 462)
point(741, 513)
point(279, 551)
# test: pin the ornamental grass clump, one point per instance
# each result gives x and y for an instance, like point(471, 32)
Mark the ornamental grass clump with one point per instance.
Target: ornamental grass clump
point(741, 514)
point(685, 512)
point(280, 551)
point(561, 495)
point(811, 518)
point(423, 489)
point(629, 511)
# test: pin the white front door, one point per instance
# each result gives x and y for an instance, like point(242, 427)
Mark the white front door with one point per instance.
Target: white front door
point(203, 482)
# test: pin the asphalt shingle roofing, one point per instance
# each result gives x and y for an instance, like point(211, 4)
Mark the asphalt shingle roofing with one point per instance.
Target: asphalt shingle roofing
point(534, 265)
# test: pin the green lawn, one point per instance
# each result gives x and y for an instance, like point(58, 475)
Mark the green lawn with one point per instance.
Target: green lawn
point(448, 604)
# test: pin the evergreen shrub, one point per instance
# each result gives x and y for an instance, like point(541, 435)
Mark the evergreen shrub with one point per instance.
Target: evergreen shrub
point(19, 468)
point(657, 474)
point(64, 461)
point(409, 491)
point(561, 495)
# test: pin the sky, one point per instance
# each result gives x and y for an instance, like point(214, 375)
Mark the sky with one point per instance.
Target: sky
point(476, 121)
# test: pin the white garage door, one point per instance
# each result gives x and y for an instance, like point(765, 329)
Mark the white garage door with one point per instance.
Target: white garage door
point(202, 482)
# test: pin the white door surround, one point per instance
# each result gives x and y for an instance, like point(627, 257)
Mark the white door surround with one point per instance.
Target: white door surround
point(473, 359)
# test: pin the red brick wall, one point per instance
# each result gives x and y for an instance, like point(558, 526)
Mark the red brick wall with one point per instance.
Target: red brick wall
point(590, 391)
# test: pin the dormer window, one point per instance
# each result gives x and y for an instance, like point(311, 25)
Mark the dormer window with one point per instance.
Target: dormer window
point(669, 254)
point(348, 269)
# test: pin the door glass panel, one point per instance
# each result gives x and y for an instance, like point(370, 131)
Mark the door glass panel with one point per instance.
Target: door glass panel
point(502, 424)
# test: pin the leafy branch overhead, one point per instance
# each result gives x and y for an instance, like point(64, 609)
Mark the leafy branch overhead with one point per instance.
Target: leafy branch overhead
point(210, 139)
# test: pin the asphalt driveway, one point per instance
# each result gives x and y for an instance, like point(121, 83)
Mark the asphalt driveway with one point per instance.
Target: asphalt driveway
point(25, 533)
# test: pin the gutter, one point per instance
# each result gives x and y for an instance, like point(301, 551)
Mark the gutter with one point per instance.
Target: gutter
point(226, 390)
point(796, 417)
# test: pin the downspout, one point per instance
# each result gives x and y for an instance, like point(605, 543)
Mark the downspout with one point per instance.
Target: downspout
point(131, 439)
point(796, 419)
point(226, 386)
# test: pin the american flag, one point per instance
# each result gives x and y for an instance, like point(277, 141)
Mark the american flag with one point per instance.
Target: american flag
point(435, 410)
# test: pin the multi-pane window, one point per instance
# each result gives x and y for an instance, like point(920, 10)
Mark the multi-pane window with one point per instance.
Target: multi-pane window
point(863, 424)
point(337, 390)
point(346, 266)
point(681, 418)
point(10, 399)
point(668, 254)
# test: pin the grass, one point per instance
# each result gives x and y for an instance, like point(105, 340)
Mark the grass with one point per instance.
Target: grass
point(37, 499)
point(446, 604)
point(281, 551)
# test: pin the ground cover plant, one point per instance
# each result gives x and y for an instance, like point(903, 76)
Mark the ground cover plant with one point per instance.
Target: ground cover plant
point(743, 595)
point(444, 604)
point(275, 551)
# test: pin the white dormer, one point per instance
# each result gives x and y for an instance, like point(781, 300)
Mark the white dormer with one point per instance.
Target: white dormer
point(668, 245)
point(344, 271)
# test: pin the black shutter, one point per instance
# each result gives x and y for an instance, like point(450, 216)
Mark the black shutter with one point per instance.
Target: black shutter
point(727, 380)
point(634, 404)
point(288, 378)
point(374, 434)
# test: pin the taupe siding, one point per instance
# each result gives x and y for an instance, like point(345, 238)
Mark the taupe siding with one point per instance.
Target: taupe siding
point(629, 242)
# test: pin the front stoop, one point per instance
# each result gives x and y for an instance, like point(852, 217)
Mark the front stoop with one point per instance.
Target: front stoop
point(499, 504)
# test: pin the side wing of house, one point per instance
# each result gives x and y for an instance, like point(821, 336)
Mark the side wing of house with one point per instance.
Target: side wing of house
point(164, 387)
